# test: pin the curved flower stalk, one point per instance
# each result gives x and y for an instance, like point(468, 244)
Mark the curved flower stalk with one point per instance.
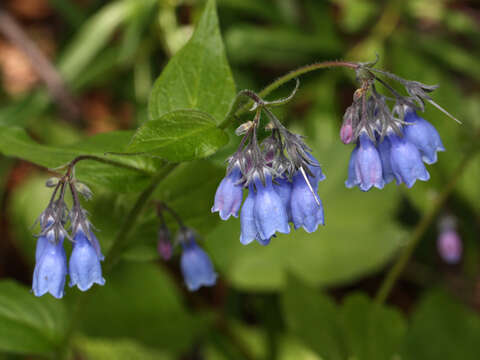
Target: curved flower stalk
point(281, 176)
point(391, 142)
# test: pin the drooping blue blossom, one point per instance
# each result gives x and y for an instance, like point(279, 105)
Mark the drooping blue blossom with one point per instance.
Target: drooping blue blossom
point(196, 266)
point(84, 265)
point(384, 150)
point(353, 179)
point(248, 226)
point(368, 165)
point(228, 197)
point(406, 162)
point(269, 211)
point(307, 208)
point(51, 266)
point(423, 135)
point(283, 187)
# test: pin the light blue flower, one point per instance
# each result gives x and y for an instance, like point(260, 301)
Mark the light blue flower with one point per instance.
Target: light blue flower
point(228, 197)
point(197, 268)
point(84, 264)
point(50, 268)
point(368, 165)
point(406, 161)
point(423, 135)
point(269, 211)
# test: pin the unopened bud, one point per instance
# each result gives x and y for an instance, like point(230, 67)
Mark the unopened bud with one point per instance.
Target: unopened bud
point(449, 243)
point(164, 244)
point(84, 190)
point(52, 182)
point(346, 131)
point(243, 129)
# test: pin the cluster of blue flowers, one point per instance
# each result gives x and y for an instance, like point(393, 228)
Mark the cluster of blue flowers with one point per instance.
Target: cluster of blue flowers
point(51, 267)
point(390, 144)
point(400, 157)
point(281, 176)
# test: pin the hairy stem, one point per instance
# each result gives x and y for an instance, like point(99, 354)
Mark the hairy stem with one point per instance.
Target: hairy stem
point(397, 269)
point(241, 106)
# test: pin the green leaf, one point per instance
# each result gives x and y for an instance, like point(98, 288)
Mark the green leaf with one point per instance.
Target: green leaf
point(443, 328)
point(132, 174)
point(372, 332)
point(179, 135)
point(360, 329)
point(198, 76)
point(124, 349)
point(29, 325)
point(312, 317)
point(140, 302)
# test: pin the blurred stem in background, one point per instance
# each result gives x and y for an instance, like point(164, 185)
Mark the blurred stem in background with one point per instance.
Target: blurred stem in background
point(427, 219)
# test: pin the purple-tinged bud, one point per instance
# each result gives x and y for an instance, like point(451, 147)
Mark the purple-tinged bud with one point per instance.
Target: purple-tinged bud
point(164, 244)
point(449, 245)
point(346, 131)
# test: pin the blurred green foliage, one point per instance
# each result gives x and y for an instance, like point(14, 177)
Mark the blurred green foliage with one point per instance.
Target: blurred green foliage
point(305, 295)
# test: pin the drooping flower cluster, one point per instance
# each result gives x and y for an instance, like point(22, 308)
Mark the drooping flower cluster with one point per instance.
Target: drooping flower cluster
point(390, 144)
point(51, 267)
point(195, 264)
point(281, 176)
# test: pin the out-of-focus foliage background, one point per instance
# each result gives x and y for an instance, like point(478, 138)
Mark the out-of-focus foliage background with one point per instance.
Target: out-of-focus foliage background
point(305, 296)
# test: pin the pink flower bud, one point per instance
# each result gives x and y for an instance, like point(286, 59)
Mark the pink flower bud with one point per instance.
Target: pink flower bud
point(449, 246)
point(346, 131)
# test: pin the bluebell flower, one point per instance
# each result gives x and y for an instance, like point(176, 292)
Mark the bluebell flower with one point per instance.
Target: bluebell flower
point(384, 151)
point(51, 266)
point(352, 179)
point(368, 165)
point(84, 264)
point(269, 211)
point(283, 187)
point(306, 211)
point(423, 135)
point(406, 162)
point(248, 226)
point(228, 197)
point(197, 268)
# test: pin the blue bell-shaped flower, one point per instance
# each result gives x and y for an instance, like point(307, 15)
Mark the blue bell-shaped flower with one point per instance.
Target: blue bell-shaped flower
point(51, 266)
point(368, 165)
point(84, 265)
point(406, 161)
point(228, 197)
point(196, 266)
point(423, 135)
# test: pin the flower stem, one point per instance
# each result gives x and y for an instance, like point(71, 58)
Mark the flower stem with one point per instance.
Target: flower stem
point(121, 241)
point(240, 106)
point(397, 269)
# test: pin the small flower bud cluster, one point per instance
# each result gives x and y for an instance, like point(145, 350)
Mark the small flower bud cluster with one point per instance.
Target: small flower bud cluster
point(51, 267)
point(390, 143)
point(195, 264)
point(281, 176)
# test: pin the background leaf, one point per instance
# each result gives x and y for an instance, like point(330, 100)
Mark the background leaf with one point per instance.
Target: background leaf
point(178, 136)
point(28, 324)
point(198, 76)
